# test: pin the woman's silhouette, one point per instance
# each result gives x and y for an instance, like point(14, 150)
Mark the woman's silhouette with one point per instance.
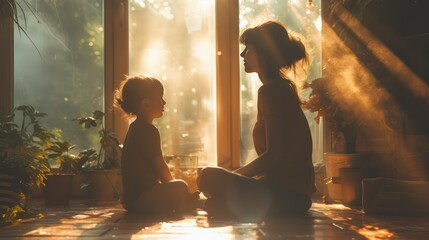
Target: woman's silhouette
point(281, 178)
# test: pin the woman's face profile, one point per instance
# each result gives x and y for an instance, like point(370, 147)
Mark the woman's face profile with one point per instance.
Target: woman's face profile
point(250, 59)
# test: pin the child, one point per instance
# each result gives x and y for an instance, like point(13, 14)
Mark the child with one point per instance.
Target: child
point(148, 185)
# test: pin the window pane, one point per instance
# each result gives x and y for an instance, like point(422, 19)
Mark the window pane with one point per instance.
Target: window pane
point(61, 74)
point(299, 18)
point(174, 41)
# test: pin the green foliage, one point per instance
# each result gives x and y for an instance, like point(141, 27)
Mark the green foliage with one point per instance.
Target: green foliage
point(21, 147)
point(12, 9)
point(16, 213)
point(88, 157)
point(22, 153)
point(71, 34)
point(109, 154)
point(11, 215)
point(68, 163)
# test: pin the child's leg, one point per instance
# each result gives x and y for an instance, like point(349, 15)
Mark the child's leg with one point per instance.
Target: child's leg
point(163, 198)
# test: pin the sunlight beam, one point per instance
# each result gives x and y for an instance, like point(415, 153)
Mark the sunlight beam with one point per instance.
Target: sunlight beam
point(387, 57)
point(354, 86)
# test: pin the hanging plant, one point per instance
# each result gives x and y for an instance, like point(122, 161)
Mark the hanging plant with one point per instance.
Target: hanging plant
point(12, 9)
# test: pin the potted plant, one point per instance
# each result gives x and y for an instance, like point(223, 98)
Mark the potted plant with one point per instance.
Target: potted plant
point(58, 188)
point(339, 115)
point(103, 167)
point(23, 163)
point(343, 123)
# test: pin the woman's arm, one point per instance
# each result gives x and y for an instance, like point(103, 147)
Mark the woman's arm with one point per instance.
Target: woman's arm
point(254, 168)
point(273, 147)
point(276, 107)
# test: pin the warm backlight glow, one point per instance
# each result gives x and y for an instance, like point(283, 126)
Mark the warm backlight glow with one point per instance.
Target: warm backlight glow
point(174, 42)
point(153, 57)
point(359, 90)
point(318, 23)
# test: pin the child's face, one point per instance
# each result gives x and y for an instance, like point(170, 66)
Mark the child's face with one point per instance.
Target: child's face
point(156, 105)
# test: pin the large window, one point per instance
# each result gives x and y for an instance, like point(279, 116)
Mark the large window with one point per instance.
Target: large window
point(174, 41)
point(59, 67)
point(79, 50)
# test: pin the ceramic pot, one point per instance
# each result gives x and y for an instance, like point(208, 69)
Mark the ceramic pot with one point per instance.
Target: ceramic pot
point(58, 189)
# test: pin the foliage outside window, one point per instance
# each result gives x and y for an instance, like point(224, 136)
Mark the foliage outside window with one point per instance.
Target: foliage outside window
point(66, 80)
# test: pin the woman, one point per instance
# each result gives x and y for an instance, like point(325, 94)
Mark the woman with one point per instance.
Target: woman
point(281, 178)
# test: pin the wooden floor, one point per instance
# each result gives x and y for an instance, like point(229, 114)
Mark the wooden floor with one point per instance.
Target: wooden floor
point(81, 220)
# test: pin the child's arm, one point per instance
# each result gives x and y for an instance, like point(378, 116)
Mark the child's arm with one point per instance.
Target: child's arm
point(160, 166)
point(162, 170)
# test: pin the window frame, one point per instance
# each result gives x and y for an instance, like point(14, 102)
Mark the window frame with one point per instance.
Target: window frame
point(116, 67)
point(116, 61)
point(6, 60)
point(227, 84)
point(227, 74)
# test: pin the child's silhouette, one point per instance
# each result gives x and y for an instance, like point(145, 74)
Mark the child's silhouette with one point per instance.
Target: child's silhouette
point(148, 185)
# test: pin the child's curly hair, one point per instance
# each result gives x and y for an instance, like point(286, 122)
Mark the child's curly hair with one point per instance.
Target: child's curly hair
point(133, 90)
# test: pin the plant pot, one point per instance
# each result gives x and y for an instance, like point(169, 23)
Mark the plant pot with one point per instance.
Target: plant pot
point(58, 189)
point(351, 186)
point(103, 185)
point(9, 195)
point(351, 167)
